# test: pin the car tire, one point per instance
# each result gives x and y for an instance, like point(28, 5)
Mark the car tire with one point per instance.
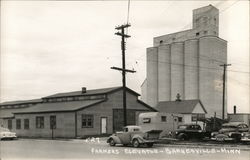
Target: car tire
point(237, 139)
point(111, 142)
point(136, 143)
point(182, 137)
point(150, 145)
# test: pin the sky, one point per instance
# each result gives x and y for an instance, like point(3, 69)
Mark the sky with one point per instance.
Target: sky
point(60, 46)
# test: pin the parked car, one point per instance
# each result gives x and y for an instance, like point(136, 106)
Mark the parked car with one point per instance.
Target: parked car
point(7, 134)
point(232, 131)
point(189, 131)
point(132, 135)
point(245, 136)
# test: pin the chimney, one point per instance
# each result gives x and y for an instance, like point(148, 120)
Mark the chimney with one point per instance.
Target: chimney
point(84, 90)
point(234, 109)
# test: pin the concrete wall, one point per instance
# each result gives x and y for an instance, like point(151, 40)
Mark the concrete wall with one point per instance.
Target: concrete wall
point(177, 70)
point(164, 69)
point(212, 53)
point(144, 91)
point(152, 76)
point(195, 56)
point(191, 71)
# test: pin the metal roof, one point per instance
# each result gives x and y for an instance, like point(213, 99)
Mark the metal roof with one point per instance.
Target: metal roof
point(8, 112)
point(88, 92)
point(60, 106)
point(21, 102)
point(183, 106)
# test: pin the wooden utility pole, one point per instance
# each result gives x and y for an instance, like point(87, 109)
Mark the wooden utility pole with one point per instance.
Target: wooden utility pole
point(123, 69)
point(224, 85)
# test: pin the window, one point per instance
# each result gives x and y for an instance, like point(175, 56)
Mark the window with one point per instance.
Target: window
point(52, 122)
point(197, 34)
point(146, 120)
point(9, 124)
point(164, 118)
point(18, 124)
point(70, 99)
point(197, 117)
point(196, 127)
point(76, 98)
point(125, 129)
point(39, 122)
point(179, 119)
point(161, 41)
point(136, 130)
point(194, 117)
point(87, 121)
point(59, 99)
point(26, 124)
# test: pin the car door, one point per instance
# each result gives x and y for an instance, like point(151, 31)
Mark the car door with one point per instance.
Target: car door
point(189, 131)
point(125, 136)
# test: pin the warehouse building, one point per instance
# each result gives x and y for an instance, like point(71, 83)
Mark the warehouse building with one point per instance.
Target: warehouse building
point(75, 114)
point(188, 63)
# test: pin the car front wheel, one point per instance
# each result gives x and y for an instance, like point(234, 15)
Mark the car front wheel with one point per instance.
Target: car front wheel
point(136, 143)
point(112, 142)
point(150, 145)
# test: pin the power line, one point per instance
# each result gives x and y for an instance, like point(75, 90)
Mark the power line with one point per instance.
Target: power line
point(192, 66)
point(187, 32)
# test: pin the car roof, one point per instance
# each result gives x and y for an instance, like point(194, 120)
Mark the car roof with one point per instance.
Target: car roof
point(189, 124)
point(132, 126)
point(233, 123)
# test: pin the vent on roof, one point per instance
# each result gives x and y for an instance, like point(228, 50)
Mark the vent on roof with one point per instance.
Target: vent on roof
point(84, 89)
point(178, 97)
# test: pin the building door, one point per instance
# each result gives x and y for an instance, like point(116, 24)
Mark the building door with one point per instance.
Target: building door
point(118, 118)
point(103, 125)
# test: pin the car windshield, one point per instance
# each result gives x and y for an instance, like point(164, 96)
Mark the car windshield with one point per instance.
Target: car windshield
point(182, 127)
point(227, 126)
point(4, 129)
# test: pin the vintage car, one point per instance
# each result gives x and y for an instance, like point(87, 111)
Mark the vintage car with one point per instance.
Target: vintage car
point(6, 134)
point(245, 136)
point(188, 131)
point(232, 131)
point(132, 135)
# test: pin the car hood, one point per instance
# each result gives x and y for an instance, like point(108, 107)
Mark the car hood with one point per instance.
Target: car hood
point(5, 132)
point(179, 130)
point(225, 130)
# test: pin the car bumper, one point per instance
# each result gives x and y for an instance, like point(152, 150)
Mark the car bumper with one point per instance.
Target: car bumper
point(9, 137)
point(222, 138)
point(245, 139)
point(149, 141)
